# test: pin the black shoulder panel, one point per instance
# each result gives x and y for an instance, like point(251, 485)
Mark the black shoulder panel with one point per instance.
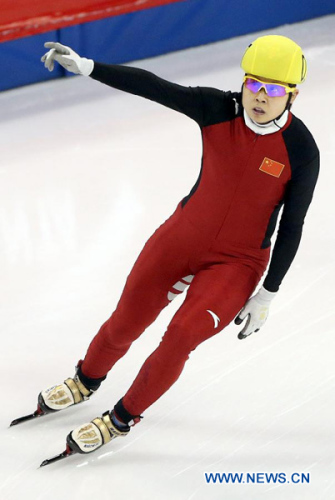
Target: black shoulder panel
point(300, 144)
point(219, 106)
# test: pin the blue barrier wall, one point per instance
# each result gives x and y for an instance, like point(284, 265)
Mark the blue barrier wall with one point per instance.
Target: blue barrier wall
point(151, 32)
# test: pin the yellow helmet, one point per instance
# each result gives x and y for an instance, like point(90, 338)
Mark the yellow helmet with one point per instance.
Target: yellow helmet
point(275, 57)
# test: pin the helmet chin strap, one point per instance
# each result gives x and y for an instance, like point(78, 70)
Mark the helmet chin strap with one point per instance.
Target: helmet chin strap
point(287, 108)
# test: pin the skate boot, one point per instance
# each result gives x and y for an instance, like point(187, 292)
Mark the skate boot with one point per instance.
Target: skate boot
point(71, 392)
point(93, 435)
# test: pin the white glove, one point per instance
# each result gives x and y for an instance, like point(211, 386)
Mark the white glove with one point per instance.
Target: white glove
point(67, 58)
point(257, 310)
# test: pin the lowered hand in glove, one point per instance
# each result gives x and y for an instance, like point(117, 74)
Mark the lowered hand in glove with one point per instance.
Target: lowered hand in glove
point(255, 311)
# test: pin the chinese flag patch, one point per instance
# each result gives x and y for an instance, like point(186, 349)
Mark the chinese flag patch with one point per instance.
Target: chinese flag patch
point(272, 167)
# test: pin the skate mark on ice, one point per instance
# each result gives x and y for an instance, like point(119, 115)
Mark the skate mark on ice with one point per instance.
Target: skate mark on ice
point(303, 290)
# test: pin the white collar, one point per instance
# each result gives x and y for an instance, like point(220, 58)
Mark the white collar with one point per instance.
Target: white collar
point(266, 128)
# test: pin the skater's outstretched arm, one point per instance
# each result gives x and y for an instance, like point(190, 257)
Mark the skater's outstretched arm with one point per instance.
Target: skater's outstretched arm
point(204, 105)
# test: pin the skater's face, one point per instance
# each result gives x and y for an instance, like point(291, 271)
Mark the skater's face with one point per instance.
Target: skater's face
point(262, 108)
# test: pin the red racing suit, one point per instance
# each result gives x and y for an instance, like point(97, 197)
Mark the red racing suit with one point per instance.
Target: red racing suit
point(218, 239)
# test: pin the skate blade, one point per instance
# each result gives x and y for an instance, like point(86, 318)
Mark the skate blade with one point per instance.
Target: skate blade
point(68, 452)
point(20, 420)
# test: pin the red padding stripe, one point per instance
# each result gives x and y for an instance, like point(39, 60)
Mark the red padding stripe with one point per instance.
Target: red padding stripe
point(31, 18)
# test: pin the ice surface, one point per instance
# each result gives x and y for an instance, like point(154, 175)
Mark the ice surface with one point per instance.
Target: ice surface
point(86, 176)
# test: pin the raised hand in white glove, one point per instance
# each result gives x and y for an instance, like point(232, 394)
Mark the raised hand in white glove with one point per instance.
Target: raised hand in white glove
point(67, 58)
point(256, 311)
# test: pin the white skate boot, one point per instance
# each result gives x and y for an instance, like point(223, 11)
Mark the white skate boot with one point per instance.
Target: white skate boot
point(93, 435)
point(71, 392)
point(90, 437)
point(58, 397)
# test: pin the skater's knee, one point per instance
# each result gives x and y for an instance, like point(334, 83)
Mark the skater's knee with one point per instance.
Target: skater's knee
point(119, 332)
point(188, 331)
point(180, 337)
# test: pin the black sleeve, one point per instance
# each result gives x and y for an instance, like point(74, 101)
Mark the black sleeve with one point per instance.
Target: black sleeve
point(199, 103)
point(297, 200)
